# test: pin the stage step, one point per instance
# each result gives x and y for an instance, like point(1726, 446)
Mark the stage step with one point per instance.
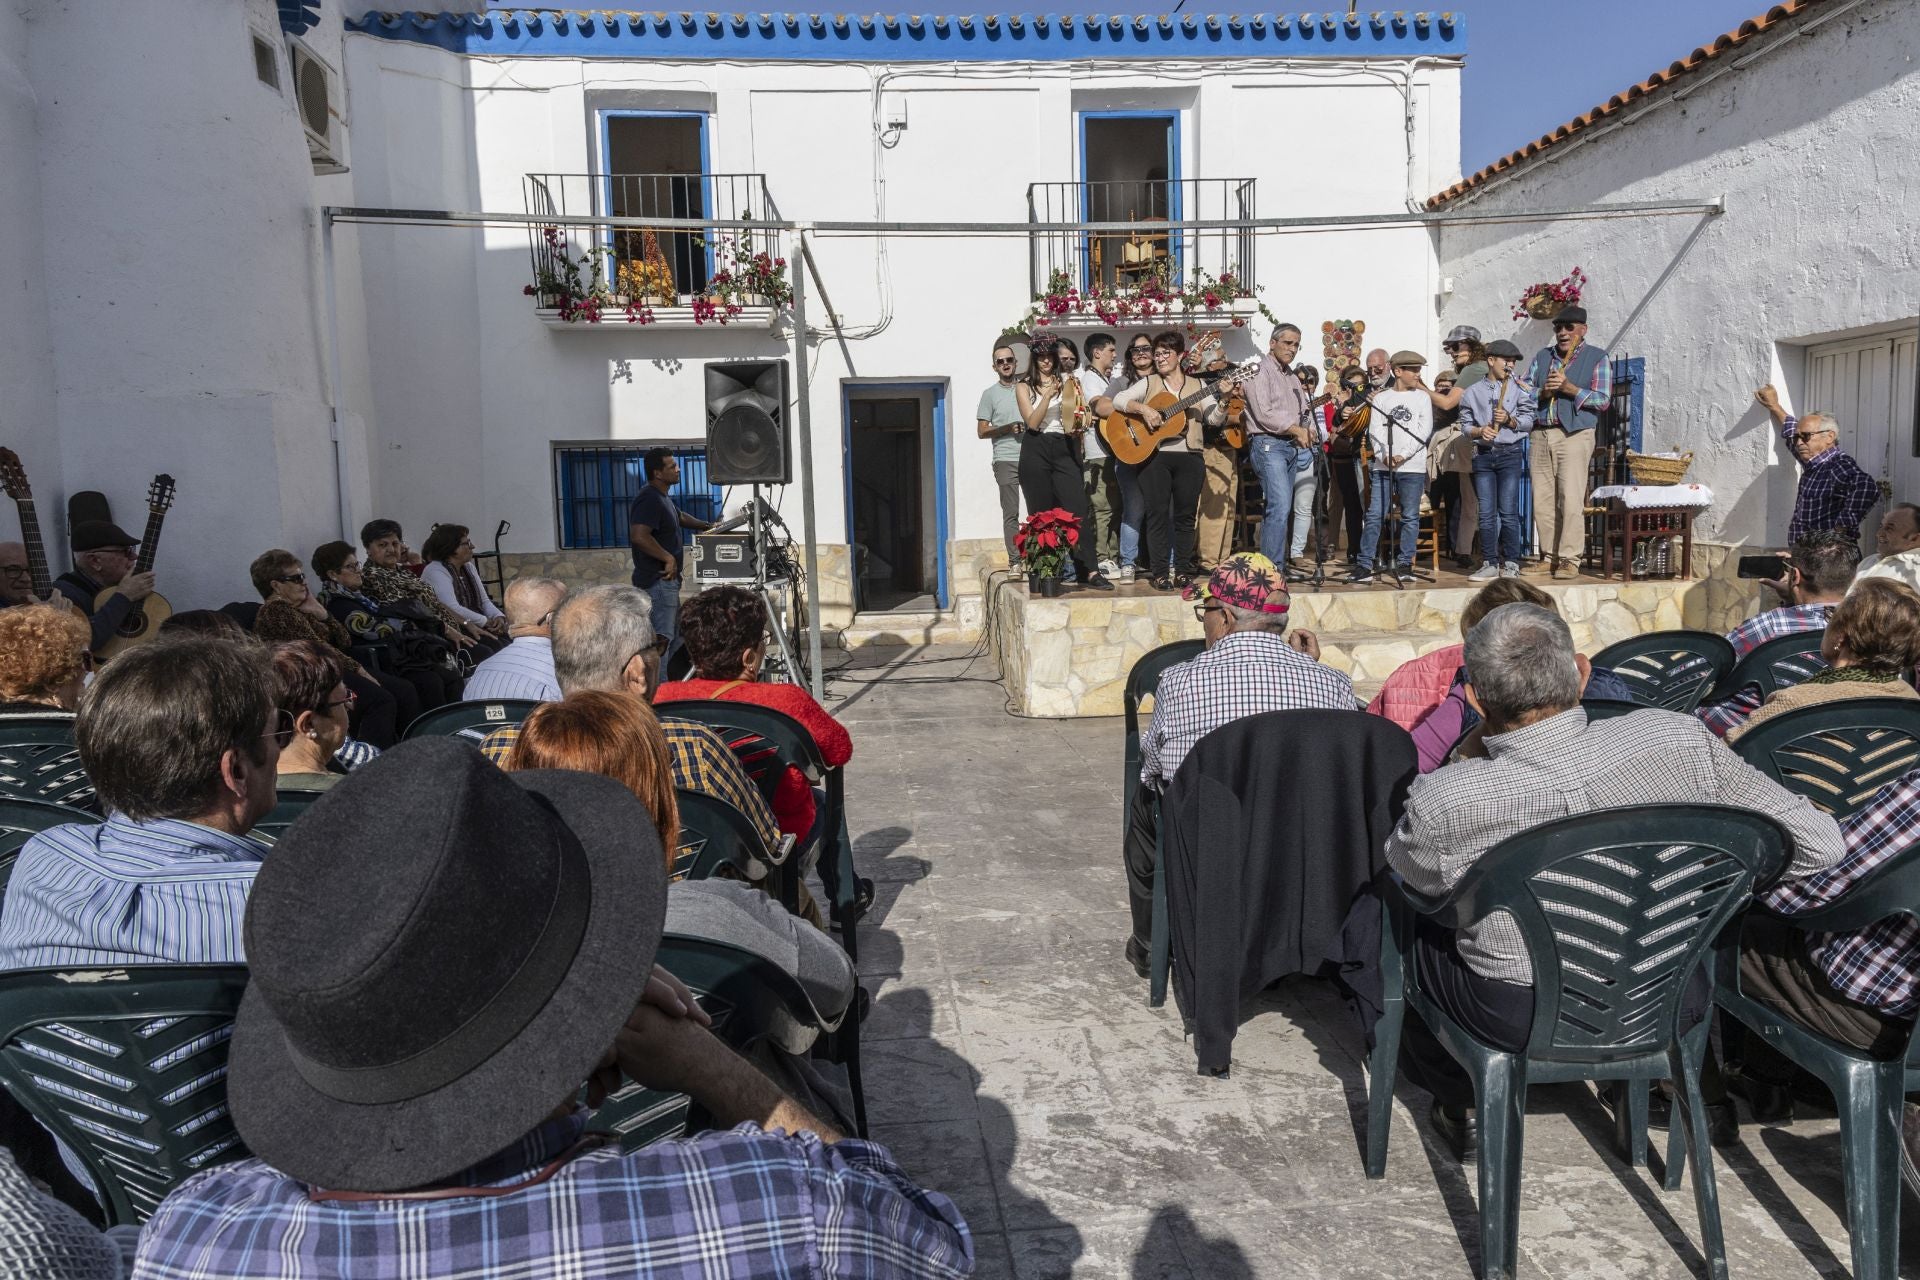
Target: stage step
point(913, 627)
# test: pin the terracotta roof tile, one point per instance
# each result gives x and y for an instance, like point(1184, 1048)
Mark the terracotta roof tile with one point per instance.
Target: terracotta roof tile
point(1699, 58)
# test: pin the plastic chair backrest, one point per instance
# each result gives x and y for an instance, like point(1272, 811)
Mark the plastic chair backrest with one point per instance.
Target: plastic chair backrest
point(1777, 664)
point(1838, 755)
point(127, 1067)
point(471, 720)
point(783, 741)
point(1616, 909)
point(38, 761)
point(1669, 669)
point(1142, 681)
point(21, 820)
point(290, 805)
point(1608, 708)
point(677, 663)
point(714, 834)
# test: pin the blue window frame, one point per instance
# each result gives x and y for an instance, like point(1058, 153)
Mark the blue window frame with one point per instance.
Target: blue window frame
point(675, 195)
point(1177, 245)
point(596, 484)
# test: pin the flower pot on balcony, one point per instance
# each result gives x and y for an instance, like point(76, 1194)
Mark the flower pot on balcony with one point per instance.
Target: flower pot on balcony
point(1544, 307)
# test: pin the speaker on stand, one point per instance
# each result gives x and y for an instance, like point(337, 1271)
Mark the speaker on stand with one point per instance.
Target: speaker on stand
point(747, 443)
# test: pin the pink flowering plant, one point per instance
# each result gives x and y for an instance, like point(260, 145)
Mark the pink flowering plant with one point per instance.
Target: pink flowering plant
point(1197, 294)
point(742, 279)
point(577, 287)
point(1543, 301)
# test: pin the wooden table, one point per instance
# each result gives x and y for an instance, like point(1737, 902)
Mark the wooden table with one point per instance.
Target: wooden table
point(1628, 525)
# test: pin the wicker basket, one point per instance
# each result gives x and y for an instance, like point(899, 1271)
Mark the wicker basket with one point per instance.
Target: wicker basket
point(1648, 469)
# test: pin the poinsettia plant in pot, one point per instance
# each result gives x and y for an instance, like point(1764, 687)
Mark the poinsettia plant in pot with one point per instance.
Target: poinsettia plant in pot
point(1045, 540)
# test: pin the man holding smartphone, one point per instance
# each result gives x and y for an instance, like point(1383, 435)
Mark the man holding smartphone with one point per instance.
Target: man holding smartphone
point(1817, 577)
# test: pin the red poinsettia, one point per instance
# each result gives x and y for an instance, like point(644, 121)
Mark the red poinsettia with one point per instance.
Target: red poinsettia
point(1045, 539)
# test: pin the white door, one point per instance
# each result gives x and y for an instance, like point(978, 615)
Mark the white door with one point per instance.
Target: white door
point(1867, 384)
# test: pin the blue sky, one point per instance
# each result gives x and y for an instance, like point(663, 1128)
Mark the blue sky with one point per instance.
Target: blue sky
point(1531, 64)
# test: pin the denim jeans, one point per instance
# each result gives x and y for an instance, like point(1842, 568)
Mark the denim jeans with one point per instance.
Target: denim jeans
point(1408, 485)
point(1496, 481)
point(665, 595)
point(1280, 464)
point(1129, 514)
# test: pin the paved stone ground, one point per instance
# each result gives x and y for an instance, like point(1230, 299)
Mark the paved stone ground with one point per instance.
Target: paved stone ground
point(1012, 1061)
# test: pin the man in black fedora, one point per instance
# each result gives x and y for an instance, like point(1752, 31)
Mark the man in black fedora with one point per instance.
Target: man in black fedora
point(442, 954)
point(102, 558)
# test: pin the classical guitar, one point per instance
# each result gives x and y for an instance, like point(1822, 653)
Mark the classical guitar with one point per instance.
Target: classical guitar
point(14, 477)
point(143, 621)
point(1133, 442)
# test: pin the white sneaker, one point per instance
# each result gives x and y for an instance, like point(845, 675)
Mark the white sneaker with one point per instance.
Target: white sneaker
point(1511, 569)
point(1109, 568)
point(1485, 573)
point(1125, 575)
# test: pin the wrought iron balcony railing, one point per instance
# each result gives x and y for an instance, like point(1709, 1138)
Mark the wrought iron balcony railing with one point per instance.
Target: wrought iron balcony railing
point(668, 267)
point(1117, 261)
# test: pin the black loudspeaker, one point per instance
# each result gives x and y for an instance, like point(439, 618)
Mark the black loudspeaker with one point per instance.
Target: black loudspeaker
point(747, 422)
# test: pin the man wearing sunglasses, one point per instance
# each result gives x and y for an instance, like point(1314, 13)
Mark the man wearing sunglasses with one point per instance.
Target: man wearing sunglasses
point(999, 421)
point(1575, 381)
point(1834, 492)
point(181, 740)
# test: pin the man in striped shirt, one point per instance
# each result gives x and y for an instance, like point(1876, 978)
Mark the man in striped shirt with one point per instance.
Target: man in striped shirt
point(524, 669)
point(180, 738)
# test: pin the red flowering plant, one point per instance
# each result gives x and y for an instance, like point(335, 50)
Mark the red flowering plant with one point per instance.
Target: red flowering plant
point(1197, 294)
point(1543, 301)
point(741, 279)
point(577, 287)
point(1045, 540)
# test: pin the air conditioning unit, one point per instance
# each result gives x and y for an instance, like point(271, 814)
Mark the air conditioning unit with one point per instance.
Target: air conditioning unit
point(316, 91)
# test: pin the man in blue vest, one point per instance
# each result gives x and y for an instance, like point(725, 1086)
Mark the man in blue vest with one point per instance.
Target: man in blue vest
point(1575, 381)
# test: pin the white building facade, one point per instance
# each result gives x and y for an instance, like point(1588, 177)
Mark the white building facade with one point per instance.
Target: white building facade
point(1803, 120)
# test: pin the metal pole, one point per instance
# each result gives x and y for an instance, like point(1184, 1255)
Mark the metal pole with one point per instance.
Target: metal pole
point(333, 375)
point(802, 395)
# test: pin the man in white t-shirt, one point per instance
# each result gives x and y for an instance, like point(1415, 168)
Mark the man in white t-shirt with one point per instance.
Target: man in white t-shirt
point(1103, 486)
point(1401, 426)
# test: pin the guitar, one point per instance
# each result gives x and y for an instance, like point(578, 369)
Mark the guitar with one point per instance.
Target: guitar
point(1133, 442)
point(14, 477)
point(143, 621)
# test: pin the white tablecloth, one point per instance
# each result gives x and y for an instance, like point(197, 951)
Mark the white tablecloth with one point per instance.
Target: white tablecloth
point(1656, 495)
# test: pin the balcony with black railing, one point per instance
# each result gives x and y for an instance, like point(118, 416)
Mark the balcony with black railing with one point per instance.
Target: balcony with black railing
point(1152, 256)
point(595, 273)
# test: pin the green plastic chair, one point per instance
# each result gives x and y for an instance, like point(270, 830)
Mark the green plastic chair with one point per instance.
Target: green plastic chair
point(1608, 708)
point(769, 742)
point(471, 720)
point(21, 820)
point(1143, 681)
point(127, 1068)
point(1838, 755)
point(38, 761)
point(1610, 964)
point(1777, 664)
point(713, 835)
point(290, 805)
point(1669, 669)
point(1867, 1092)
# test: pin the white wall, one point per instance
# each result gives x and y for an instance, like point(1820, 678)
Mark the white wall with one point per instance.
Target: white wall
point(468, 389)
point(159, 230)
point(1814, 146)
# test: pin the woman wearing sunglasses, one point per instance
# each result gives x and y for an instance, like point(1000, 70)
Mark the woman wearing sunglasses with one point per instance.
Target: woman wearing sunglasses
point(1050, 405)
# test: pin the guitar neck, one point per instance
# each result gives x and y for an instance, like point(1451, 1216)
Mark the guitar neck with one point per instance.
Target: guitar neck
point(150, 542)
point(37, 569)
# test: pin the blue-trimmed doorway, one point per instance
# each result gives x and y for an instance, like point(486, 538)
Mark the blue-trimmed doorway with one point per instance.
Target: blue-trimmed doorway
point(893, 441)
point(1129, 172)
point(655, 164)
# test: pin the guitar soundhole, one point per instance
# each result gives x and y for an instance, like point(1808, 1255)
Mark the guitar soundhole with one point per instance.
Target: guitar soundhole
point(133, 625)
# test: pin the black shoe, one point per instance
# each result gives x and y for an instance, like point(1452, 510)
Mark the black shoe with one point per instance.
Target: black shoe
point(1458, 1128)
point(1097, 582)
point(1161, 583)
point(1770, 1103)
point(1137, 957)
point(1361, 577)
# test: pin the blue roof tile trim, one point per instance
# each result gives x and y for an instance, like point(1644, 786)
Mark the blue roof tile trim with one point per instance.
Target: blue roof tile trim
point(690, 36)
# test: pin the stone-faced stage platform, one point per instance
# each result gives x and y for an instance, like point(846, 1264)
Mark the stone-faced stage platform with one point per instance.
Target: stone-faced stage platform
point(1070, 656)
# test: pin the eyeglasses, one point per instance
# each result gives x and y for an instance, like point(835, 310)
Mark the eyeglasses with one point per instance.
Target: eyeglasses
point(998, 361)
point(1558, 325)
point(16, 570)
point(352, 699)
point(283, 733)
point(290, 578)
point(1139, 351)
point(1804, 436)
point(1200, 611)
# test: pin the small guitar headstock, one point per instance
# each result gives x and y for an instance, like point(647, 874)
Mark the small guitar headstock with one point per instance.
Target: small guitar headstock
point(1208, 341)
point(160, 494)
point(13, 477)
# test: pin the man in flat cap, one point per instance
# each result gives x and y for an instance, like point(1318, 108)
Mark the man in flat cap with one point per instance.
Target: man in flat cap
point(102, 558)
point(1400, 430)
point(1575, 380)
point(1496, 414)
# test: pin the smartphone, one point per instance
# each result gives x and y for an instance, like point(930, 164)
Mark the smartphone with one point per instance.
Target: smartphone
point(1768, 568)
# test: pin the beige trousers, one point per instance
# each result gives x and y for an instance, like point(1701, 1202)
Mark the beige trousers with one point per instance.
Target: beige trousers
point(1218, 494)
point(1560, 462)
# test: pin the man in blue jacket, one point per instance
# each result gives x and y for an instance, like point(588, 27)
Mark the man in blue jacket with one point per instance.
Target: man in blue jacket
point(1575, 381)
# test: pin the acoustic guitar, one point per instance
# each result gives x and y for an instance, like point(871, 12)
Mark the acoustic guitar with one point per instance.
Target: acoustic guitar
point(143, 621)
point(13, 477)
point(1133, 442)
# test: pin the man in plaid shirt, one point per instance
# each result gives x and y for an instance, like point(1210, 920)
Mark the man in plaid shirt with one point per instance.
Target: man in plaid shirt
point(1250, 665)
point(1834, 492)
point(1819, 573)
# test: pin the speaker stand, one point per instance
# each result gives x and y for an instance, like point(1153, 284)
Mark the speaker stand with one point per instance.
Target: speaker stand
point(783, 654)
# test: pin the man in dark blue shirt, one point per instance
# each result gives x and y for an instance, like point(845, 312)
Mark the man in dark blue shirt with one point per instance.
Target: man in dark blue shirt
point(653, 529)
